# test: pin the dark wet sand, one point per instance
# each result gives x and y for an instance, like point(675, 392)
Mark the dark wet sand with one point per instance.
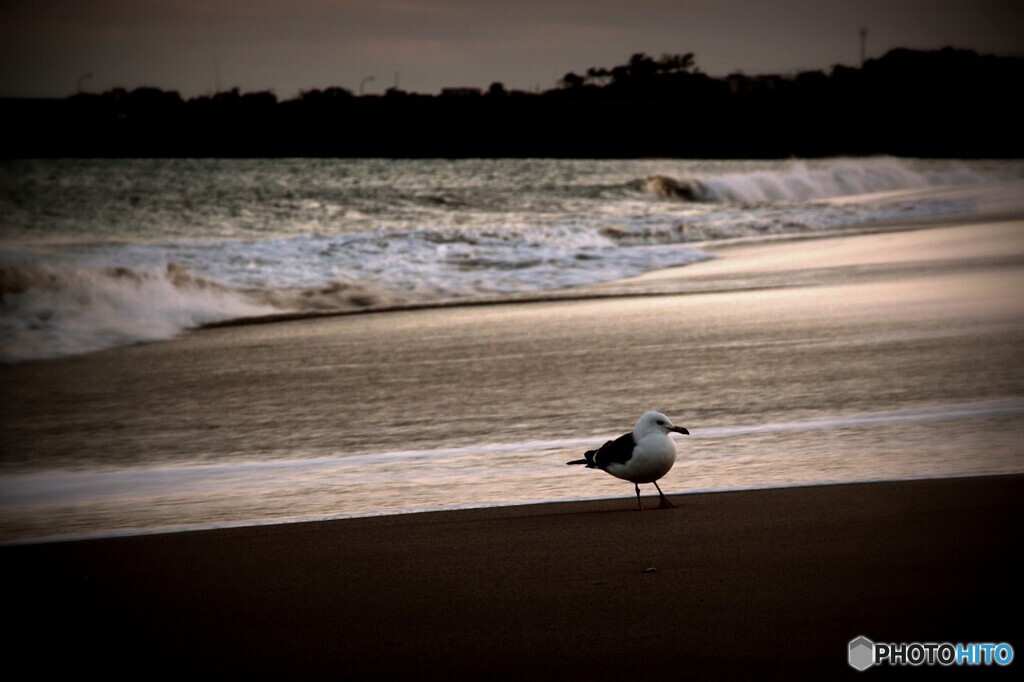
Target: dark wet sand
point(761, 583)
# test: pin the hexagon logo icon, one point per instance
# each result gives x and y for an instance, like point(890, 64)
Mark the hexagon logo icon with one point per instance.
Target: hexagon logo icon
point(862, 653)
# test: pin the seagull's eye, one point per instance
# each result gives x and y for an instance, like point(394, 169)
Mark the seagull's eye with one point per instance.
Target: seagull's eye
point(661, 422)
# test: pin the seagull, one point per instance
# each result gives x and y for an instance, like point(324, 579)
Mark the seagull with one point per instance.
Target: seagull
point(642, 456)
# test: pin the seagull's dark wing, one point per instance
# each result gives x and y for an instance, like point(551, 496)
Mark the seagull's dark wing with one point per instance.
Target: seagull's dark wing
point(618, 451)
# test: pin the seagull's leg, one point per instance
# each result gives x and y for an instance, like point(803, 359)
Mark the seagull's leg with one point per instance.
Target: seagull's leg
point(664, 504)
point(638, 502)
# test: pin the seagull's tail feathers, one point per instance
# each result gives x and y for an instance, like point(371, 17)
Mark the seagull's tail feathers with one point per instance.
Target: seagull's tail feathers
point(589, 459)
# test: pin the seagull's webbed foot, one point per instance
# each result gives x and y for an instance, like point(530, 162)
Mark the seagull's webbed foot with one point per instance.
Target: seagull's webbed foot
point(663, 503)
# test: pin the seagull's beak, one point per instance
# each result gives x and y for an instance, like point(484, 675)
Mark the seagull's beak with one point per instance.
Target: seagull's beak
point(680, 429)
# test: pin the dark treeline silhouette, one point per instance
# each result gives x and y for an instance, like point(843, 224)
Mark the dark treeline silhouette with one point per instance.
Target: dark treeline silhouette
point(946, 103)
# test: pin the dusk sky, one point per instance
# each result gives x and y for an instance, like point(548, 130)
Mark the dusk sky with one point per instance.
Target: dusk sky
point(51, 48)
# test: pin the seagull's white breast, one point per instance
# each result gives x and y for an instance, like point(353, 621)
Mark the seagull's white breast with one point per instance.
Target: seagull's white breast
point(653, 456)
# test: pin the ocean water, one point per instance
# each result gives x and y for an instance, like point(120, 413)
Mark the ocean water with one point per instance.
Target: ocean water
point(98, 254)
point(101, 253)
point(890, 444)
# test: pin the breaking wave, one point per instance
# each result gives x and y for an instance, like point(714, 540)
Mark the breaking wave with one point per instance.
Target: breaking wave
point(801, 181)
point(81, 304)
point(49, 311)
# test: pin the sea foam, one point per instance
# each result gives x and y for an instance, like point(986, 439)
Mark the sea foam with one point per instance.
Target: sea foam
point(51, 311)
point(800, 181)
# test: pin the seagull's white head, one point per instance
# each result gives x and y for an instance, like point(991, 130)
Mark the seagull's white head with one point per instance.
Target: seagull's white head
point(655, 422)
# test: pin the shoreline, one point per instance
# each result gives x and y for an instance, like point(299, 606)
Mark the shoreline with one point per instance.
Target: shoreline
point(622, 501)
point(770, 582)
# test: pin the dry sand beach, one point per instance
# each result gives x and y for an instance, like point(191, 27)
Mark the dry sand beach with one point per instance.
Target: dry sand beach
point(757, 582)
